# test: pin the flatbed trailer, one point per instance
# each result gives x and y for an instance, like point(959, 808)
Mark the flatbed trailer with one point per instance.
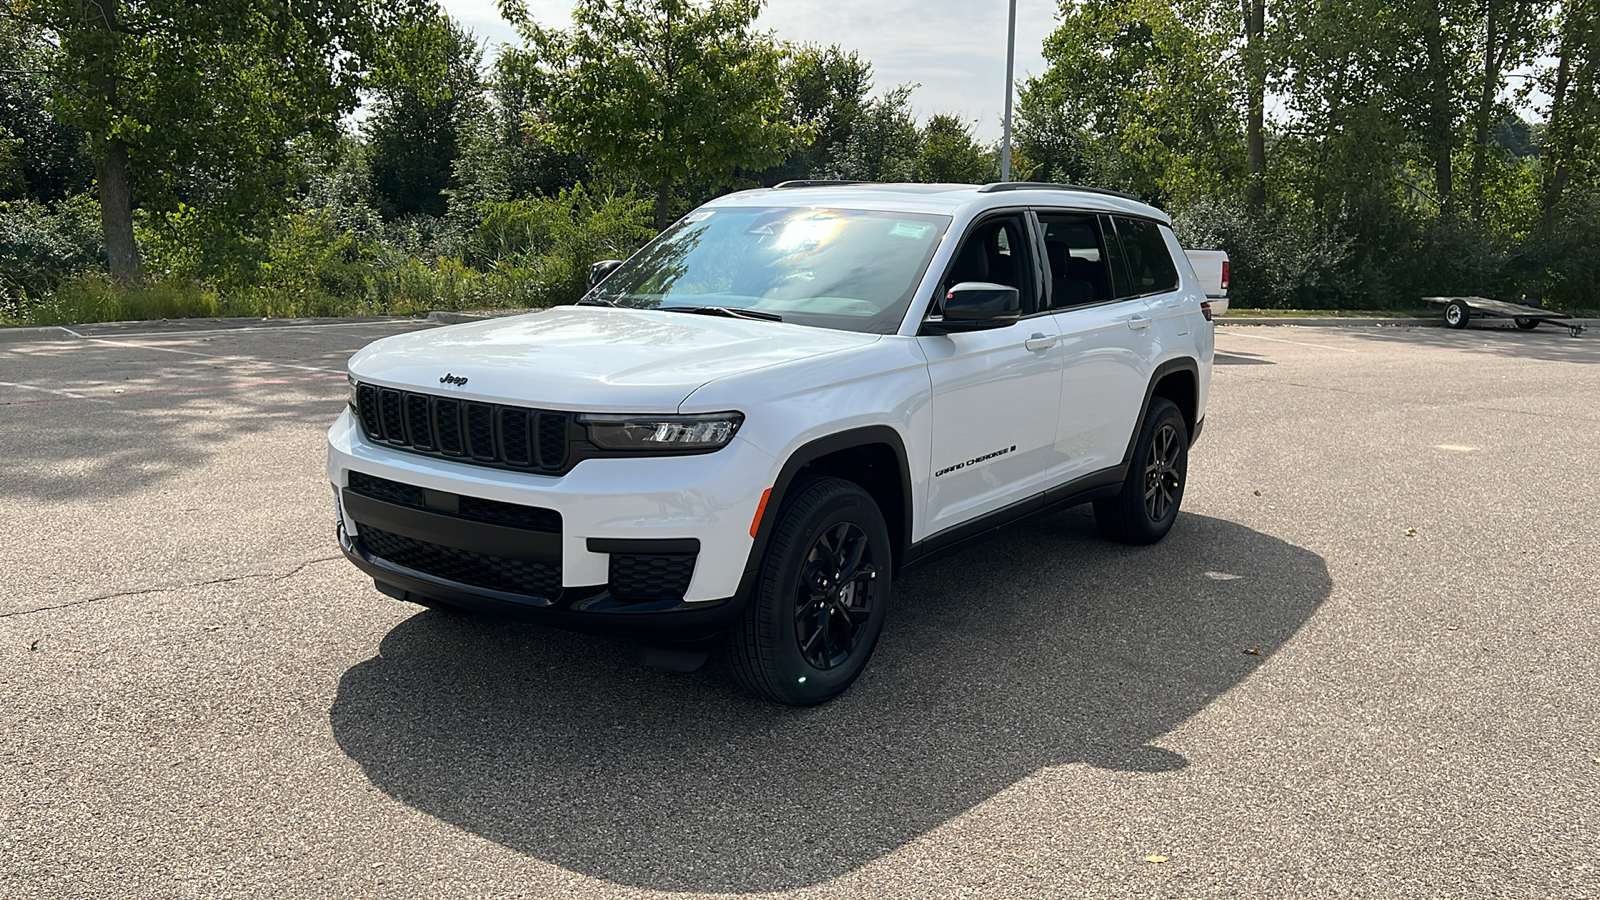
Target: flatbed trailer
point(1458, 310)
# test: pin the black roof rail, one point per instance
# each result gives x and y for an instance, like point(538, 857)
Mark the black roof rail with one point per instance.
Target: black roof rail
point(998, 186)
point(815, 183)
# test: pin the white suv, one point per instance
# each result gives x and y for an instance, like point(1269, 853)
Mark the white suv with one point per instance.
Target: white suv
point(742, 435)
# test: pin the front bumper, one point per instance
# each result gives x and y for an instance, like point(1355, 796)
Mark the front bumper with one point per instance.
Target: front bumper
point(607, 512)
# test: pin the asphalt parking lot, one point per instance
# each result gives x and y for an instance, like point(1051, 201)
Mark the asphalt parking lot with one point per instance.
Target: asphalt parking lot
point(1364, 664)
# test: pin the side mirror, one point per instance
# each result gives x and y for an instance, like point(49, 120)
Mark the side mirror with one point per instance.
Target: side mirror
point(977, 306)
point(599, 271)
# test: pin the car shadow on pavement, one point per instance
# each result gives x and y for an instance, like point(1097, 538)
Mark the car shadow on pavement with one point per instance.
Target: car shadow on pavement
point(1043, 647)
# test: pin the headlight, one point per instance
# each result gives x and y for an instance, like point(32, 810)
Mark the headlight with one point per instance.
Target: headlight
point(662, 433)
point(351, 397)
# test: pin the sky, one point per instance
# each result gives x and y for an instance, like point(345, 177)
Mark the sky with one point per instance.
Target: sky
point(954, 49)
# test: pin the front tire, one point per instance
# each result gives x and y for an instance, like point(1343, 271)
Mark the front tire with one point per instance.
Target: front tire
point(1457, 313)
point(1144, 511)
point(821, 599)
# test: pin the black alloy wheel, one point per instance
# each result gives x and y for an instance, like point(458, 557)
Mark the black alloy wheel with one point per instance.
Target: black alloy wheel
point(833, 602)
point(1163, 482)
point(819, 605)
point(1146, 507)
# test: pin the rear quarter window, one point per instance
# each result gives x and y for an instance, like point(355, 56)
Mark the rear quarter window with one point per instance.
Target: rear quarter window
point(1150, 266)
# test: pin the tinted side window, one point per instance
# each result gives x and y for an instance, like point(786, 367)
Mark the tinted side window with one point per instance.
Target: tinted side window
point(1150, 267)
point(995, 250)
point(1116, 260)
point(1079, 274)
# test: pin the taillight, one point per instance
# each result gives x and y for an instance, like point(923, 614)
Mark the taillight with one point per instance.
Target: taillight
point(1224, 274)
point(1205, 309)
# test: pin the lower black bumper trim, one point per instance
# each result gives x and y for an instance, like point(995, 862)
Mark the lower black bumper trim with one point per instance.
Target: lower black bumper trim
point(586, 609)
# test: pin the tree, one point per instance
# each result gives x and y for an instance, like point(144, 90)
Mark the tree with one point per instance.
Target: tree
point(825, 90)
point(1139, 88)
point(949, 154)
point(663, 90)
point(426, 91)
point(1255, 79)
point(40, 157)
point(166, 89)
point(883, 142)
point(1572, 134)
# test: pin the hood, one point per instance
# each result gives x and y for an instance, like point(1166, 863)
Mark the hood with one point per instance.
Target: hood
point(591, 359)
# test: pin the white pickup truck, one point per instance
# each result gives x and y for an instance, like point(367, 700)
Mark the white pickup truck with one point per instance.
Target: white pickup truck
point(1211, 270)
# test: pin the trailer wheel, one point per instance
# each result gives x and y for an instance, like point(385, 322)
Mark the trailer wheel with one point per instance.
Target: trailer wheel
point(1525, 323)
point(1457, 313)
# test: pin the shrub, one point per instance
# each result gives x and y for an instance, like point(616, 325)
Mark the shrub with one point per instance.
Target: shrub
point(43, 243)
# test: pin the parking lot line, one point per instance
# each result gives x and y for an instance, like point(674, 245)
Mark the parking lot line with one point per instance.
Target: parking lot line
point(64, 395)
point(243, 359)
point(123, 395)
point(1285, 341)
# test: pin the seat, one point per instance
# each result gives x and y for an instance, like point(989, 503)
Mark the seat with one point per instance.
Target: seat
point(1092, 274)
point(1067, 288)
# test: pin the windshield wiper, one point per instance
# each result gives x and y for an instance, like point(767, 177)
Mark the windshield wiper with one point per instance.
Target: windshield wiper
point(596, 301)
point(731, 312)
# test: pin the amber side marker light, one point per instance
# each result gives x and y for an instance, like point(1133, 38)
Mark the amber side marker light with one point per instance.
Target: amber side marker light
point(760, 508)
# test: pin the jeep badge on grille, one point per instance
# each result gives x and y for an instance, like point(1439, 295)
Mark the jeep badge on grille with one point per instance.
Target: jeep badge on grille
point(457, 380)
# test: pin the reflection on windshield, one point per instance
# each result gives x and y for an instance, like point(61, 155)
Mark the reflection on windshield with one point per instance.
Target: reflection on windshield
point(837, 268)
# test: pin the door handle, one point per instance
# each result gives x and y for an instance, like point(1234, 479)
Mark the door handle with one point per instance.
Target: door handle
point(1138, 323)
point(1041, 342)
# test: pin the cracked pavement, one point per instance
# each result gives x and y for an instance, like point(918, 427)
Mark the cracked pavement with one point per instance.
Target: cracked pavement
point(1362, 665)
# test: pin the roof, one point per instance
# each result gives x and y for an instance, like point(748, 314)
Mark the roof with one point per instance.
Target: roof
point(940, 199)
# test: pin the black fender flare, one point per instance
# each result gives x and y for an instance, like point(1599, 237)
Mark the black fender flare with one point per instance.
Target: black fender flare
point(811, 452)
point(1181, 364)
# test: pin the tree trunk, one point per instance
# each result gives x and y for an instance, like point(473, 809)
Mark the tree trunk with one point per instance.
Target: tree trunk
point(1440, 112)
point(1486, 97)
point(116, 212)
point(1255, 142)
point(111, 154)
point(1555, 176)
point(663, 204)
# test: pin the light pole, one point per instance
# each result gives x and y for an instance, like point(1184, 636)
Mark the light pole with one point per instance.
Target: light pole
point(1011, 58)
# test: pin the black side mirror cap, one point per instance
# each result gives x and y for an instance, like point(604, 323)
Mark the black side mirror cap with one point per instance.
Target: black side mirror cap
point(599, 271)
point(977, 306)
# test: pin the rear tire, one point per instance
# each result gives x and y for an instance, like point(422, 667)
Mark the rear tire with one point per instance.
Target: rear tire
point(821, 599)
point(1525, 323)
point(1144, 511)
point(1457, 313)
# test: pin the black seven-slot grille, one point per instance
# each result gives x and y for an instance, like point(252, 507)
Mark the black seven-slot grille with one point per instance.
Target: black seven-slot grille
point(486, 434)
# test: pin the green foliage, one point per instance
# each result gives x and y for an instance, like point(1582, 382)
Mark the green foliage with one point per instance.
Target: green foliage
point(825, 91)
point(40, 158)
point(1399, 162)
point(202, 103)
point(1134, 96)
point(43, 243)
point(664, 91)
point(426, 91)
point(948, 153)
point(883, 142)
point(551, 242)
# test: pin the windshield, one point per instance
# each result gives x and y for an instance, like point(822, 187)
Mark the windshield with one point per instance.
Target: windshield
point(837, 268)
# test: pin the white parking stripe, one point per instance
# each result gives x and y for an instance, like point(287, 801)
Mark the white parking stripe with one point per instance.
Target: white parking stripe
point(45, 390)
point(1283, 341)
point(239, 359)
